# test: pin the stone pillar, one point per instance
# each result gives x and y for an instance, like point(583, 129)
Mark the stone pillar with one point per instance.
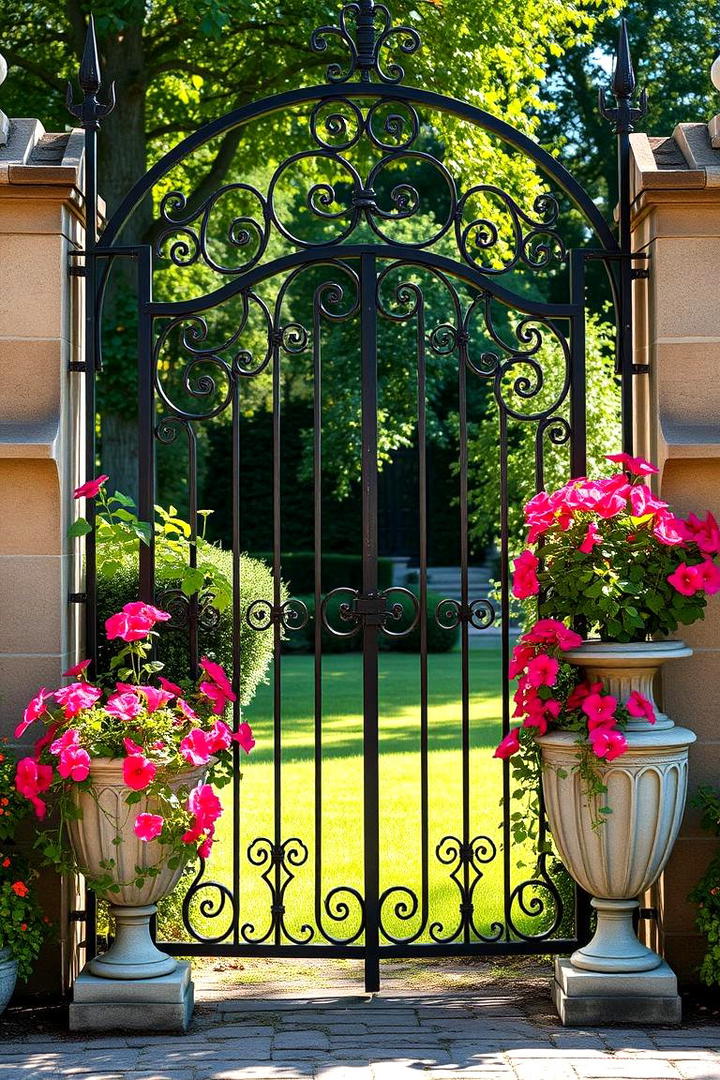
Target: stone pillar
point(41, 444)
point(677, 223)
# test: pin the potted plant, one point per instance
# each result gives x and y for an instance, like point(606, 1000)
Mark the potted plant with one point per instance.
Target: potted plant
point(608, 556)
point(125, 760)
point(22, 924)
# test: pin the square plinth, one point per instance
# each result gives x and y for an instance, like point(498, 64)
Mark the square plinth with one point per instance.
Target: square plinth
point(161, 1004)
point(596, 999)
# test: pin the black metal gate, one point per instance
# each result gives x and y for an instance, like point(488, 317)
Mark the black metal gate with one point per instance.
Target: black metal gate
point(360, 271)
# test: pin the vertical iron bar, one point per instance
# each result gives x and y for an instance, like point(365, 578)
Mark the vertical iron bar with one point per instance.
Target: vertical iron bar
point(277, 672)
point(317, 583)
point(578, 419)
point(424, 614)
point(368, 336)
point(91, 360)
point(625, 328)
point(146, 425)
point(505, 654)
point(193, 605)
point(465, 916)
point(236, 653)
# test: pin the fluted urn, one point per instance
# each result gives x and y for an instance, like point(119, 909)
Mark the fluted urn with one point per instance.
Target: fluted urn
point(104, 842)
point(617, 856)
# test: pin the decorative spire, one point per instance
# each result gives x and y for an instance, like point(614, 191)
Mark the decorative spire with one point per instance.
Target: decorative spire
point(624, 116)
point(90, 111)
point(371, 32)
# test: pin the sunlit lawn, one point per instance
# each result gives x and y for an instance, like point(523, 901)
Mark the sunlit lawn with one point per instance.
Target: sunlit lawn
point(340, 849)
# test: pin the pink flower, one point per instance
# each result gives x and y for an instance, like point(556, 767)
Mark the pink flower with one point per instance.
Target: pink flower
point(509, 745)
point(607, 743)
point(525, 582)
point(78, 671)
point(216, 695)
point(686, 579)
point(643, 502)
point(31, 779)
point(519, 661)
point(542, 671)
point(636, 465)
point(138, 771)
point(171, 687)
point(638, 705)
point(45, 739)
point(709, 575)
point(34, 710)
point(195, 747)
point(244, 737)
point(219, 737)
point(537, 720)
point(127, 627)
point(215, 672)
point(148, 826)
point(77, 696)
point(204, 804)
point(71, 737)
point(206, 847)
point(146, 611)
point(124, 706)
point(132, 747)
point(74, 763)
point(667, 529)
point(552, 632)
point(599, 709)
point(90, 488)
point(592, 537)
point(155, 697)
point(580, 692)
point(705, 533)
point(187, 711)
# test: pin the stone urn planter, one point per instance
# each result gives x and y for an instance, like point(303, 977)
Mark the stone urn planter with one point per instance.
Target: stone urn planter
point(8, 977)
point(617, 860)
point(105, 816)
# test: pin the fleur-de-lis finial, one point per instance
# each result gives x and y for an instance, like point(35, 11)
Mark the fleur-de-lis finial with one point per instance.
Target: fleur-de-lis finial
point(624, 116)
point(372, 31)
point(90, 111)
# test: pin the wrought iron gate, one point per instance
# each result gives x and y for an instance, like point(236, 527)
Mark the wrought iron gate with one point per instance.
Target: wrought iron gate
point(362, 272)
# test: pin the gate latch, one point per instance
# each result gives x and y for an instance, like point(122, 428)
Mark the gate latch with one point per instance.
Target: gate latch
point(370, 609)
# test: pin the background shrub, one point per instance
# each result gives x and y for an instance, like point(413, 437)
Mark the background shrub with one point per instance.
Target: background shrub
point(298, 569)
point(215, 640)
point(439, 640)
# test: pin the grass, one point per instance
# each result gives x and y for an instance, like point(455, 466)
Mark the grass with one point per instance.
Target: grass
point(340, 780)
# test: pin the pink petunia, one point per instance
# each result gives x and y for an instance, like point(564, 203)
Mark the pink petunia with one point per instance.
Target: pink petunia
point(599, 709)
point(578, 694)
point(77, 696)
point(542, 670)
point(90, 488)
point(607, 743)
point(138, 771)
point(78, 671)
point(519, 660)
point(186, 710)
point(244, 737)
point(215, 672)
point(525, 582)
point(638, 705)
point(132, 747)
point(148, 826)
point(33, 711)
point(219, 737)
point(667, 529)
point(74, 763)
point(31, 780)
point(170, 687)
point(45, 739)
point(71, 737)
point(509, 745)
point(643, 502)
point(591, 538)
point(195, 747)
point(636, 465)
point(216, 695)
point(705, 533)
point(124, 706)
point(127, 627)
point(686, 579)
point(709, 575)
point(146, 611)
point(552, 632)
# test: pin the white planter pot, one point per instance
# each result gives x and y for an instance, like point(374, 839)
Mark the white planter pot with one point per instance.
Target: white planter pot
point(8, 977)
point(646, 790)
point(105, 816)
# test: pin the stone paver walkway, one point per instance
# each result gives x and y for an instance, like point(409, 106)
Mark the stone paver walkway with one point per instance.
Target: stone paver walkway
point(397, 1035)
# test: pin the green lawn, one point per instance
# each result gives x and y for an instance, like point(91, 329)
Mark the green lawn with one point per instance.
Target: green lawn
point(341, 780)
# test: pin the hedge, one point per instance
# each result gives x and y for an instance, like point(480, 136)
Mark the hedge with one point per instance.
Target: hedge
point(298, 570)
point(256, 646)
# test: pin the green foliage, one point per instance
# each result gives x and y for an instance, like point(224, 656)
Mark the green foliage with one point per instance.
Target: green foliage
point(337, 571)
point(706, 894)
point(23, 927)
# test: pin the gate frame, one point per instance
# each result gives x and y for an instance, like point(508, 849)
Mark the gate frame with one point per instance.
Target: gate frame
point(100, 250)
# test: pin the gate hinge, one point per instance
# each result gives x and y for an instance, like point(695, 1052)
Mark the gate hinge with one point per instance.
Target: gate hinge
point(640, 369)
point(640, 273)
point(77, 365)
point(77, 598)
point(77, 271)
point(371, 609)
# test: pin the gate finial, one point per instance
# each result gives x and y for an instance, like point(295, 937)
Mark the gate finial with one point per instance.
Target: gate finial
point(90, 111)
point(372, 31)
point(625, 114)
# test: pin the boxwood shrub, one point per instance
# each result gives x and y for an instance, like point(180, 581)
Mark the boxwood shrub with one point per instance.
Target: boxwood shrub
point(215, 640)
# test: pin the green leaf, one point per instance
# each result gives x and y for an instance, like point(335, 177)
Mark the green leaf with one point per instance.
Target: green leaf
point(81, 527)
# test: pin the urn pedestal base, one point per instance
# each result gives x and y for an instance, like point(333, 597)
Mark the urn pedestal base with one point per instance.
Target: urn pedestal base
point(594, 999)
point(161, 1004)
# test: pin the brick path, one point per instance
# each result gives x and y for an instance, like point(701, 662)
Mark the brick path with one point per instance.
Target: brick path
point(397, 1035)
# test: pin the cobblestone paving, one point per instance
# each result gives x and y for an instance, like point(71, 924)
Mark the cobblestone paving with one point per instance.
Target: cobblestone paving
point(392, 1036)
